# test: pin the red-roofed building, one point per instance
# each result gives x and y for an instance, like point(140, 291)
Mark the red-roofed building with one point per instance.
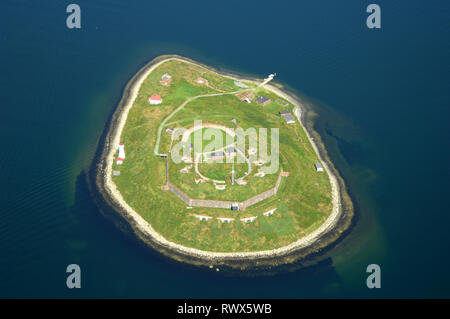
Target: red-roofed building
point(155, 99)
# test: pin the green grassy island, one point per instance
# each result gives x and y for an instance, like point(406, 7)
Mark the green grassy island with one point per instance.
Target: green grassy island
point(182, 193)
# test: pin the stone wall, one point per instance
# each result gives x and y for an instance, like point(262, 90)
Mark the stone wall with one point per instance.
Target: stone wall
point(211, 203)
point(260, 197)
point(224, 204)
point(185, 198)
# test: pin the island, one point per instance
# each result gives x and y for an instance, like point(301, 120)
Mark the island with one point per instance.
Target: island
point(219, 170)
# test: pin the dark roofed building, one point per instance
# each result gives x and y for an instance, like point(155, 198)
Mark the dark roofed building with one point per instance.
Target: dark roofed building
point(217, 155)
point(262, 100)
point(289, 118)
point(286, 114)
point(318, 166)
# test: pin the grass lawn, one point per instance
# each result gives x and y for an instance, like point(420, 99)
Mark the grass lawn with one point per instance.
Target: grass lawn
point(303, 200)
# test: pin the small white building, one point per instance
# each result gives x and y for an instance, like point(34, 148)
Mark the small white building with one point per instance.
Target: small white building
point(248, 219)
point(121, 155)
point(121, 150)
point(225, 220)
point(203, 218)
point(319, 167)
point(155, 99)
point(269, 212)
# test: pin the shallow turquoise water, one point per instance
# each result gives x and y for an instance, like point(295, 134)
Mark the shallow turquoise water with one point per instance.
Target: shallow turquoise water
point(383, 102)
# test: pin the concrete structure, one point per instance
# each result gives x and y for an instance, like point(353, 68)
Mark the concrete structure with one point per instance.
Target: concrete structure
point(165, 79)
point(225, 220)
point(319, 167)
point(203, 218)
point(248, 219)
point(201, 81)
point(155, 99)
point(241, 85)
point(262, 100)
point(269, 212)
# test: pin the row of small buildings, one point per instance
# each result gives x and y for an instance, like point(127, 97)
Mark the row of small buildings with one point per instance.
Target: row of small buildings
point(248, 96)
point(229, 220)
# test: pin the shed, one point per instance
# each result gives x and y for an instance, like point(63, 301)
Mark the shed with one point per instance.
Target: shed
point(319, 167)
point(269, 212)
point(231, 150)
point(289, 118)
point(217, 155)
point(262, 100)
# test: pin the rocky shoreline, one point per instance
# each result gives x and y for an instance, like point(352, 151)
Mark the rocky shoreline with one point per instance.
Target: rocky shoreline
point(109, 199)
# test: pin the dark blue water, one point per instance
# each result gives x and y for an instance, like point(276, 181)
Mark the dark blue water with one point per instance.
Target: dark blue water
point(383, 102)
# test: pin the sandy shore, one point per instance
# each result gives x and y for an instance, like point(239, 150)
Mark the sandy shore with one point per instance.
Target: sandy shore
point(115, 198)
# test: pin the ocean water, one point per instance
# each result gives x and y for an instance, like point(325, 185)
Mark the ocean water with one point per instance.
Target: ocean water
point(382, 98)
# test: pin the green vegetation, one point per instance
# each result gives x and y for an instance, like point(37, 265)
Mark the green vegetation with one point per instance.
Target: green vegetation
point(303, 200)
